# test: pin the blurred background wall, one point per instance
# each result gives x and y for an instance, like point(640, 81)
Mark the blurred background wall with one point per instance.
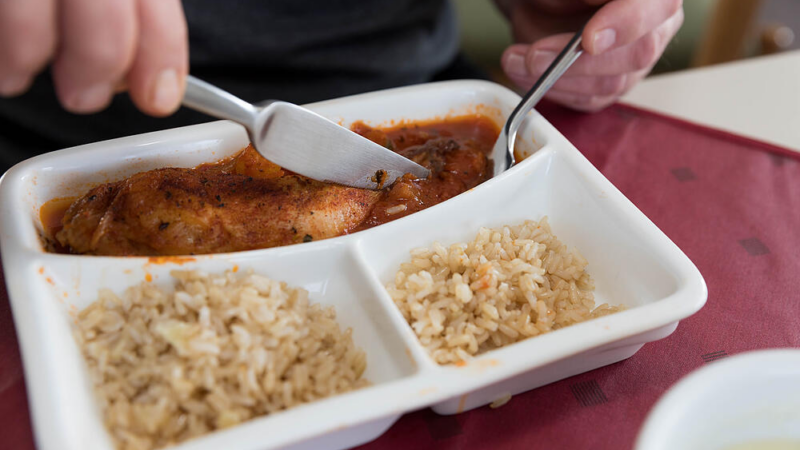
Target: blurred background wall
point(714, 31)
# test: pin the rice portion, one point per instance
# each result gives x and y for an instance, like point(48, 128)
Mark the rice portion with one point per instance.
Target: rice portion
point(219, 350)
point(507, 285)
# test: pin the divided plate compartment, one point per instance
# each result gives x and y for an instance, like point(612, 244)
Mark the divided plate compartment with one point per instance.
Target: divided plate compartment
point(632, 263)
point(60, 286)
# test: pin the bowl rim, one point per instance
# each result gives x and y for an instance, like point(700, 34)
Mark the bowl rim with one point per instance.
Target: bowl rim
point(662, 418)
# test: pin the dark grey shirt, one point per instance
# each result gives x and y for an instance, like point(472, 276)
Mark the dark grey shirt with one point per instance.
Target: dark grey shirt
point(294, 50)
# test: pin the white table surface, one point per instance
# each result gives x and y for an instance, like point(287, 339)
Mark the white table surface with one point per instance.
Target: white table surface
point(758, 98)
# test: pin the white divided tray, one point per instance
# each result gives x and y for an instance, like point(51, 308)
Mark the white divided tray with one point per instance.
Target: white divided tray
point(632, 262)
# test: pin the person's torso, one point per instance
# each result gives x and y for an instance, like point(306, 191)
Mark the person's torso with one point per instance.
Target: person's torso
point(294, 50)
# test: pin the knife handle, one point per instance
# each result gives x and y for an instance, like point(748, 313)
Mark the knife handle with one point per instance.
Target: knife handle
point(209, 99)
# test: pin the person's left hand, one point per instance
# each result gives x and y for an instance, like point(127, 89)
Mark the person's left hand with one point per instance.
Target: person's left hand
point(622, 41)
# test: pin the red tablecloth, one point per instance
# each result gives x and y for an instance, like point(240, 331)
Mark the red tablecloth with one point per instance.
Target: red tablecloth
point(732, 204)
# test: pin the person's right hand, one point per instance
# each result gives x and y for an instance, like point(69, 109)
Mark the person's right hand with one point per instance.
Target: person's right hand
point(96, 47)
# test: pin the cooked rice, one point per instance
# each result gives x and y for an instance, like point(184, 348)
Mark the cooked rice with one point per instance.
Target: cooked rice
point(170, 366)
point(507, 285)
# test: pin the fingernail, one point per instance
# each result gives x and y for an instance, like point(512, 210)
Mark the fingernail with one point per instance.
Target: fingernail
point(542, 59)
point(515, 65)
point(91, 99)
point(13, 85)
point(603, 40)
point(166, 94)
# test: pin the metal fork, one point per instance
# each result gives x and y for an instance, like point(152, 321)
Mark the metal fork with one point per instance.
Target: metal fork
point(503, 152)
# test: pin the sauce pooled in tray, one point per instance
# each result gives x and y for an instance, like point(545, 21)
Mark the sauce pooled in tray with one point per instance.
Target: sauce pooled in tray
point(245, 202)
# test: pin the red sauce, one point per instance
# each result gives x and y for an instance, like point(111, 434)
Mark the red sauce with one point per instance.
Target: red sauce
point(51, 215)
point(455, 149)
point(52, 212)
point(179, 260)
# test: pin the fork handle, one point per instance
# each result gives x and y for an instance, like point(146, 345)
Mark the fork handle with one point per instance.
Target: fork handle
point(563, 61)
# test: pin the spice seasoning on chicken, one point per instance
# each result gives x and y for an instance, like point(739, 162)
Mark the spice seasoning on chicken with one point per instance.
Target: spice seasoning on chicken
point(246, 202)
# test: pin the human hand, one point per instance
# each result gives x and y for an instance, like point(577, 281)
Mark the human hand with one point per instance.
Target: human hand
point(622, 41)
point(96, 47)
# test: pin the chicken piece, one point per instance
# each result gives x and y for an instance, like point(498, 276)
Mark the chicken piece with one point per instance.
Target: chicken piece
point(209, 210)
point(246, 202)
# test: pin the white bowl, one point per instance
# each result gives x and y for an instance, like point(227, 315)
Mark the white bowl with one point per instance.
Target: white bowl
point(632, 262)
point(750, 397)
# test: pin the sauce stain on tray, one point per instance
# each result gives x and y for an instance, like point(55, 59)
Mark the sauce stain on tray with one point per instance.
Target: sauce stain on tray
point(161, 260)
point(462, 401)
